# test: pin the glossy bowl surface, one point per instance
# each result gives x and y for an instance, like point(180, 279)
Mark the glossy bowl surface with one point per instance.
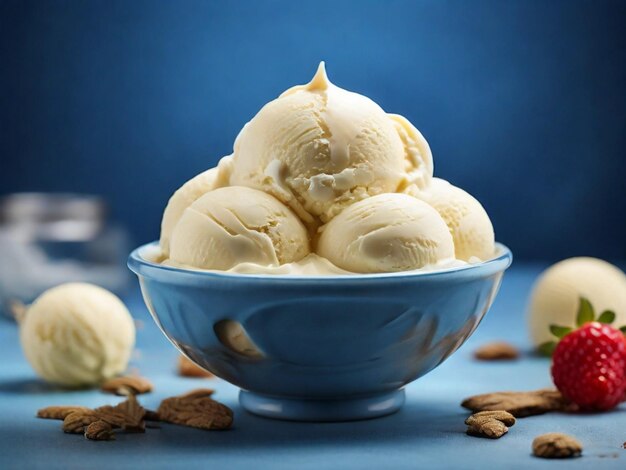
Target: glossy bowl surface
point(321, 348)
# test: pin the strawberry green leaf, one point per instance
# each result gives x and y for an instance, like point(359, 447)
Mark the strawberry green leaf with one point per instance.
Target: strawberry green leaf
point(560, 331)
point(585, 312)
point(547, 348)
point(623, 329)
point(607, 317)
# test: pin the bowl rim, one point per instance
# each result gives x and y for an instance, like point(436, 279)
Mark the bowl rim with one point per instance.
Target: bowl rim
point(144, 267)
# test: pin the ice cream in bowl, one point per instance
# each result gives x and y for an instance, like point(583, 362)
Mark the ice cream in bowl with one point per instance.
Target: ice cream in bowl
point(321, 267)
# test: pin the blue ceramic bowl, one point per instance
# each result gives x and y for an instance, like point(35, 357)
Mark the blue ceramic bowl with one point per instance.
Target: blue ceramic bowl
point(319, 348)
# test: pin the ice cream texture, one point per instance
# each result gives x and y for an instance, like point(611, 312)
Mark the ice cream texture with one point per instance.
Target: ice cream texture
point(323, 181)
point(319, 148)
point(187, 194)
point(466, 218)
point(77, 334)
point(234, 225)
point(556, 295)
point(386, 233)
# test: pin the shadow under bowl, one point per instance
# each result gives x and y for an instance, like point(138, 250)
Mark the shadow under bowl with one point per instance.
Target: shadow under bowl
point(319, 348)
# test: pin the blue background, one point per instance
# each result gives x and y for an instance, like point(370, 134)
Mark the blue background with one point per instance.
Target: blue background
point(523, 102)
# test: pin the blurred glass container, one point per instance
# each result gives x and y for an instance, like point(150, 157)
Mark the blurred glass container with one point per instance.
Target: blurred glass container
point(47, 239)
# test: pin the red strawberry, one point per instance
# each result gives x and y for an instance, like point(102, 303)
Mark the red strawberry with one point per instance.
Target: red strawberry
point(589, 366)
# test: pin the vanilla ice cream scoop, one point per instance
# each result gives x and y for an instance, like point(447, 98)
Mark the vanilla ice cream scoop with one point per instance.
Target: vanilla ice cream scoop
point(385, 233)
point(197, 186)
point(466, 218)
point(77, 334)
point(319, 148)
point(233, 225)
point(556, 295)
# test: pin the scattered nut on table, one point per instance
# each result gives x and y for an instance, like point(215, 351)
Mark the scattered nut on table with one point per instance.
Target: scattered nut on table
point(187, 368)
point(127, 385)
point(519, 404)
point(496, 351)
point(194, 409)
point(99, 431)
point(491, 424)
point(555, 445)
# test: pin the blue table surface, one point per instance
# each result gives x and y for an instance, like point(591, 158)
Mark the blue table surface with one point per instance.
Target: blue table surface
point(428, 432)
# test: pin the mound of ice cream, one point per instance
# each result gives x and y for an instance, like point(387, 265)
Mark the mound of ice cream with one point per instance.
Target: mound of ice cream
point(386, 233)
point(323, 181)
point(77, 334)
point(234, 225)
point(319, 148)
point(466, 218)
point(187, 194)
point(556, 295)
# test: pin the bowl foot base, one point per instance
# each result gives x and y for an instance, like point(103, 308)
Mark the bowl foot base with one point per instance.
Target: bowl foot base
point(291, 409)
